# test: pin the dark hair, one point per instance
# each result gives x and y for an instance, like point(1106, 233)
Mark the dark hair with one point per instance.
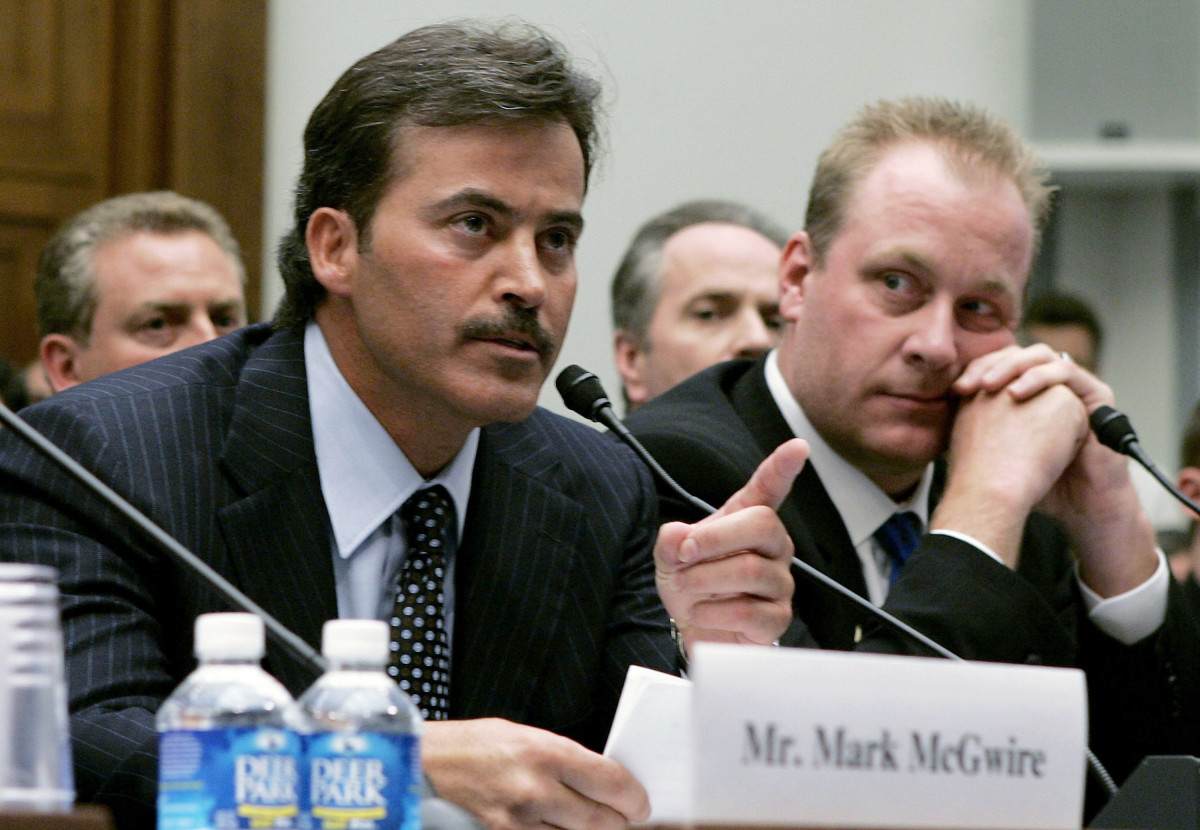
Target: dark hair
point(1189, 448)
point(444, 75)
point(12, 386)
point(1055, 308)
point(635, 286)
point(971, 139)
point(65, 284)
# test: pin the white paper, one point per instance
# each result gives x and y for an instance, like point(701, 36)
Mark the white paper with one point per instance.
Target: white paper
point(650, 737)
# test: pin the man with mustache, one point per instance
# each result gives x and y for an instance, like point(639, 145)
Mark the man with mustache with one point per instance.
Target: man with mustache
point(381, 440)
point(900, 299)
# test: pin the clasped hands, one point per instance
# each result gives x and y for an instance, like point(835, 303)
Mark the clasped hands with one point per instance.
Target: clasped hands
point(1020, 441)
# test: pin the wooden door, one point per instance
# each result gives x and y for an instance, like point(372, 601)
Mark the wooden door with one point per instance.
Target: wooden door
point(100, 97)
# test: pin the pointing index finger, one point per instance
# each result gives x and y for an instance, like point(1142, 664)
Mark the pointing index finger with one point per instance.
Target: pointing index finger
point(772, 481)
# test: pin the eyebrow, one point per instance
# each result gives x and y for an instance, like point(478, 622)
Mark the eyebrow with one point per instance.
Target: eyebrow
point(471, 197)
point(152, 306)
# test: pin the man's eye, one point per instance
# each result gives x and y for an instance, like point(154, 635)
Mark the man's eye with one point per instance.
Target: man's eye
point(895, 281)
point(981, 315)
point(473, 223)
point(155, 324)
point(559, 240)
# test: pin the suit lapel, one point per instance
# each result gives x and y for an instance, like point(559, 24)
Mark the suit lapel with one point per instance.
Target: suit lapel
point(278, 532)
point(513, 570)
point(809, 514)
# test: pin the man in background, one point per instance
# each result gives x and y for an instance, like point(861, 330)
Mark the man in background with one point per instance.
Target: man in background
point(697, 286)
point(900, 300)
point(1066, 324)
point(381, 442)
point(1185, 559)
point(133, 278)
point(1070, 326)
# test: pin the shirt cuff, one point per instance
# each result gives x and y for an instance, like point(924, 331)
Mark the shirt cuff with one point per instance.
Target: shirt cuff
point(970, 540)
point(1128, 617)
point(1135, 614)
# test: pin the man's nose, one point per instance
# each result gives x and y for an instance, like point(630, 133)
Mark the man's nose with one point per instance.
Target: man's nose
point(521, 277)
point(754, 337)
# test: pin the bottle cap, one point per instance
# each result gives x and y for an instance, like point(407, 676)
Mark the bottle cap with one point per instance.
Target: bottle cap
point(230, 636)
point(356, 641)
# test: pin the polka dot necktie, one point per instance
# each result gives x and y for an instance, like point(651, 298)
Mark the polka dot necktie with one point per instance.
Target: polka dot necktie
point(420, 647)
point(898, 537)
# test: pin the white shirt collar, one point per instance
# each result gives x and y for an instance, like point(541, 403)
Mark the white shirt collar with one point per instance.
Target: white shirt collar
point(863, 505)
point(365, 480)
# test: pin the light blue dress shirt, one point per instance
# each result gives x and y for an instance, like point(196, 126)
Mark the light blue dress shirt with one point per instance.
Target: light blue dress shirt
point(365, 478)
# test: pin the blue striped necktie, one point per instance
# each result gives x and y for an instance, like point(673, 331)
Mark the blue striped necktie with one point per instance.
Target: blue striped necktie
point(898, 537)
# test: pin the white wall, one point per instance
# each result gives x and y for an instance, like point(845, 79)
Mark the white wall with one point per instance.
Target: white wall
point(720, 98)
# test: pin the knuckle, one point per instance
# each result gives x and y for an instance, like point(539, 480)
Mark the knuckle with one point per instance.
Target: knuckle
point(527, 795)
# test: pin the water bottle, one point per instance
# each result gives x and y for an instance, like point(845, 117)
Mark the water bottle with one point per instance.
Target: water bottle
point(360, 733)
point(228, 750)
point(35, 752)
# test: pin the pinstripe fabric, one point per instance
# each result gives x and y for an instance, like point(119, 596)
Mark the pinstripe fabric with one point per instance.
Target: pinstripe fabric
point(555, 582)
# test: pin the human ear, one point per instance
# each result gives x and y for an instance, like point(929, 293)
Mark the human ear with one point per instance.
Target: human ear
point(1188, 483)
point(332, 240)
point(630, 358)
point(60, 357)
point(795, 266)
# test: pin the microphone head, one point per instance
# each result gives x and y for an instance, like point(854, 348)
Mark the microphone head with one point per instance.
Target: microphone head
point(1113, 429)
point(582, 392)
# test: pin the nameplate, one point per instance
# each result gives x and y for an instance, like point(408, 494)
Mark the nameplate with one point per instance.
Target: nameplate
point(804, 737)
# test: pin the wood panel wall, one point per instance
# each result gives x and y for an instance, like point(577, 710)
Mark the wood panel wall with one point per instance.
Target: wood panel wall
point(100, 97)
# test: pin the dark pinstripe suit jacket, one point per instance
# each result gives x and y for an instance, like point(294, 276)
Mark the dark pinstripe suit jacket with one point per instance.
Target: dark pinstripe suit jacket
point(711, 431)
point(555, 577)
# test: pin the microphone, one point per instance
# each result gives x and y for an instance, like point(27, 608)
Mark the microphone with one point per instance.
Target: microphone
point(584, 395)
point(301, 650)
point(1113, 430)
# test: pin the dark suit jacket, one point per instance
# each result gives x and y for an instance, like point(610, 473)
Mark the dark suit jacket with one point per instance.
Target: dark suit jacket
point(710, 433)
point(555, 578)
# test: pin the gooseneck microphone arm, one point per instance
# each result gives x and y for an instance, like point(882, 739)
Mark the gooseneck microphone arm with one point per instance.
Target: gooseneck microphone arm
point(299, 649)
point(584, 395)
point(1113, 429)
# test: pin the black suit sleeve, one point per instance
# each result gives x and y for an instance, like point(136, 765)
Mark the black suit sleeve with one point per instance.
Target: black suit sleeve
point(117, 669)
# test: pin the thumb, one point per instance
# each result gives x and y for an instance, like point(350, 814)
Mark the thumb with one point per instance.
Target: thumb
point(773, 479)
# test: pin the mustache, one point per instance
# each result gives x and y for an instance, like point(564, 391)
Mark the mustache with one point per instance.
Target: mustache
point(514, 321)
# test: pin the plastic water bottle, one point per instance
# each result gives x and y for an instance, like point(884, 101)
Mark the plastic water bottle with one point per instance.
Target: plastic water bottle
point(35, 752)
point(228, 751)
point(361, 734)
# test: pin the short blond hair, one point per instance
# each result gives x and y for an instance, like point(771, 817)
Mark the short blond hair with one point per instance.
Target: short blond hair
point(972, 140)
